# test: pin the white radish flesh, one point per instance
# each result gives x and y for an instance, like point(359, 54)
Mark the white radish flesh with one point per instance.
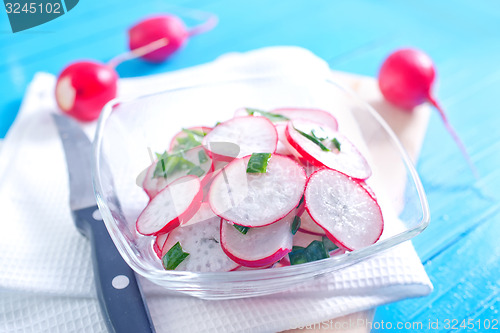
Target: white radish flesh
point(202, 241)
point(177, 202)
point(257, 199)
point(317, 115)
point(259, 247)
point(351, 218)
point(204, 213)
point(308, 225)
point(348, 160)
point(249, 134)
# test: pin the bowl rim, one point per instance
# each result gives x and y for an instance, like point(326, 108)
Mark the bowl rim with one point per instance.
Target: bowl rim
point(306, 269)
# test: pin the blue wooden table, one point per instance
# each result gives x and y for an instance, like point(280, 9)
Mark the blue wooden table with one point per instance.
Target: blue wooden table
point(461, 247)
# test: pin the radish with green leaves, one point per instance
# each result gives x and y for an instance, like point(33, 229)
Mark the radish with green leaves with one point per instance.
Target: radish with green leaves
point(172, 166)
point(323, 147)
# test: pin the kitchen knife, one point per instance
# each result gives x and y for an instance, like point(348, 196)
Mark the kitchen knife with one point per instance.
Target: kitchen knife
point(119, 294)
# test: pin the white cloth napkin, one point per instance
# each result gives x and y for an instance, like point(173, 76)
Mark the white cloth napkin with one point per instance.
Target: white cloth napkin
point(46, 279)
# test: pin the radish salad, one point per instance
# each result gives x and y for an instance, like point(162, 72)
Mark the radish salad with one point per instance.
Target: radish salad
point(263, 189)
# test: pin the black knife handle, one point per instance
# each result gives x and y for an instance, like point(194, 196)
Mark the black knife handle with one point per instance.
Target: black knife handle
point(119, 294)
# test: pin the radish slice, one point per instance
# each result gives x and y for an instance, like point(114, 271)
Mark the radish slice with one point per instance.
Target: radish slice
point(348, 160)
point(204, 213)
point(319, 116)
point(177, 202)
point(259, 247)
point(182, 134)
point(153, 185)
point(158, 244)
point(250, 134)
point(308, 225)
point(257, 199)
point(351, 218)
point(202, 241)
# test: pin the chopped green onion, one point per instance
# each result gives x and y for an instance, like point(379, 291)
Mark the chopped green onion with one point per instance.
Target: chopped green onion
point(174, 257)
point(313, 133)
point(258, 163)
point(202, 157)
point(197, 171)
point(217, 123)
point(336, 143)
point(313, 139)
point(300, 202)
point(241, 228)
point(274, 117)
point(328, 244)
point(169, 164)
point(314, 251)
point(295, 248)
point(187, 142)
point(201, 134)
point(295, 225)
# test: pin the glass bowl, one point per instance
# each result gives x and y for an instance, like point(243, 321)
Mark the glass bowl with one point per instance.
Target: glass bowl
point(130, 130)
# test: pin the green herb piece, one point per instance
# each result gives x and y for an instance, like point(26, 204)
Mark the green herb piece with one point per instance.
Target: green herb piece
point(328, 244)
point(313, 139)
point(187, 142)
point(313, 133)
point(200, 134)
point(202, 157)
point(258, 163)
point(295, 225)
point(197, 171)
point(314, 251)
point(295, 248)
point(217, 123)
point(241, 228)
point(300, 202)
point(174, 257)
point(169, 164)
point(274, 117)
point(336, 143)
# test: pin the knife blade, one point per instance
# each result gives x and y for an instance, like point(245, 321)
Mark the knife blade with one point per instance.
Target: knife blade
point(119, 294)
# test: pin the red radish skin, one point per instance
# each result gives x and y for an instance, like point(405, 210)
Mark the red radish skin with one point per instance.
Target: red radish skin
point(177, 202)
point(406, 79)
point(155, 28)
point(158, 244)
point(349, 215)
point(84, 87)
point(320, 116)
point(348, 160)
point(249, 134)
point(183, 134)
point(239, 196)
point(259, 247)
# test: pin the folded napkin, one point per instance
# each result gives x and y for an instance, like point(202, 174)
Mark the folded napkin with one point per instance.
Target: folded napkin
point(46, 279)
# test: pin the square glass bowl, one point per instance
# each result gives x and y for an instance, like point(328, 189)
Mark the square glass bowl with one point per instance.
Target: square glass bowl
point(131, 130)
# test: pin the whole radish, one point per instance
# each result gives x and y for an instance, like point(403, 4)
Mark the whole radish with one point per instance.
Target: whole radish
point(84, 87)
point(167, 28)
point(406, 79)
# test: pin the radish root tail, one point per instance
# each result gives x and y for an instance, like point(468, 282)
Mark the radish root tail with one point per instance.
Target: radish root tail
point(454, 135)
